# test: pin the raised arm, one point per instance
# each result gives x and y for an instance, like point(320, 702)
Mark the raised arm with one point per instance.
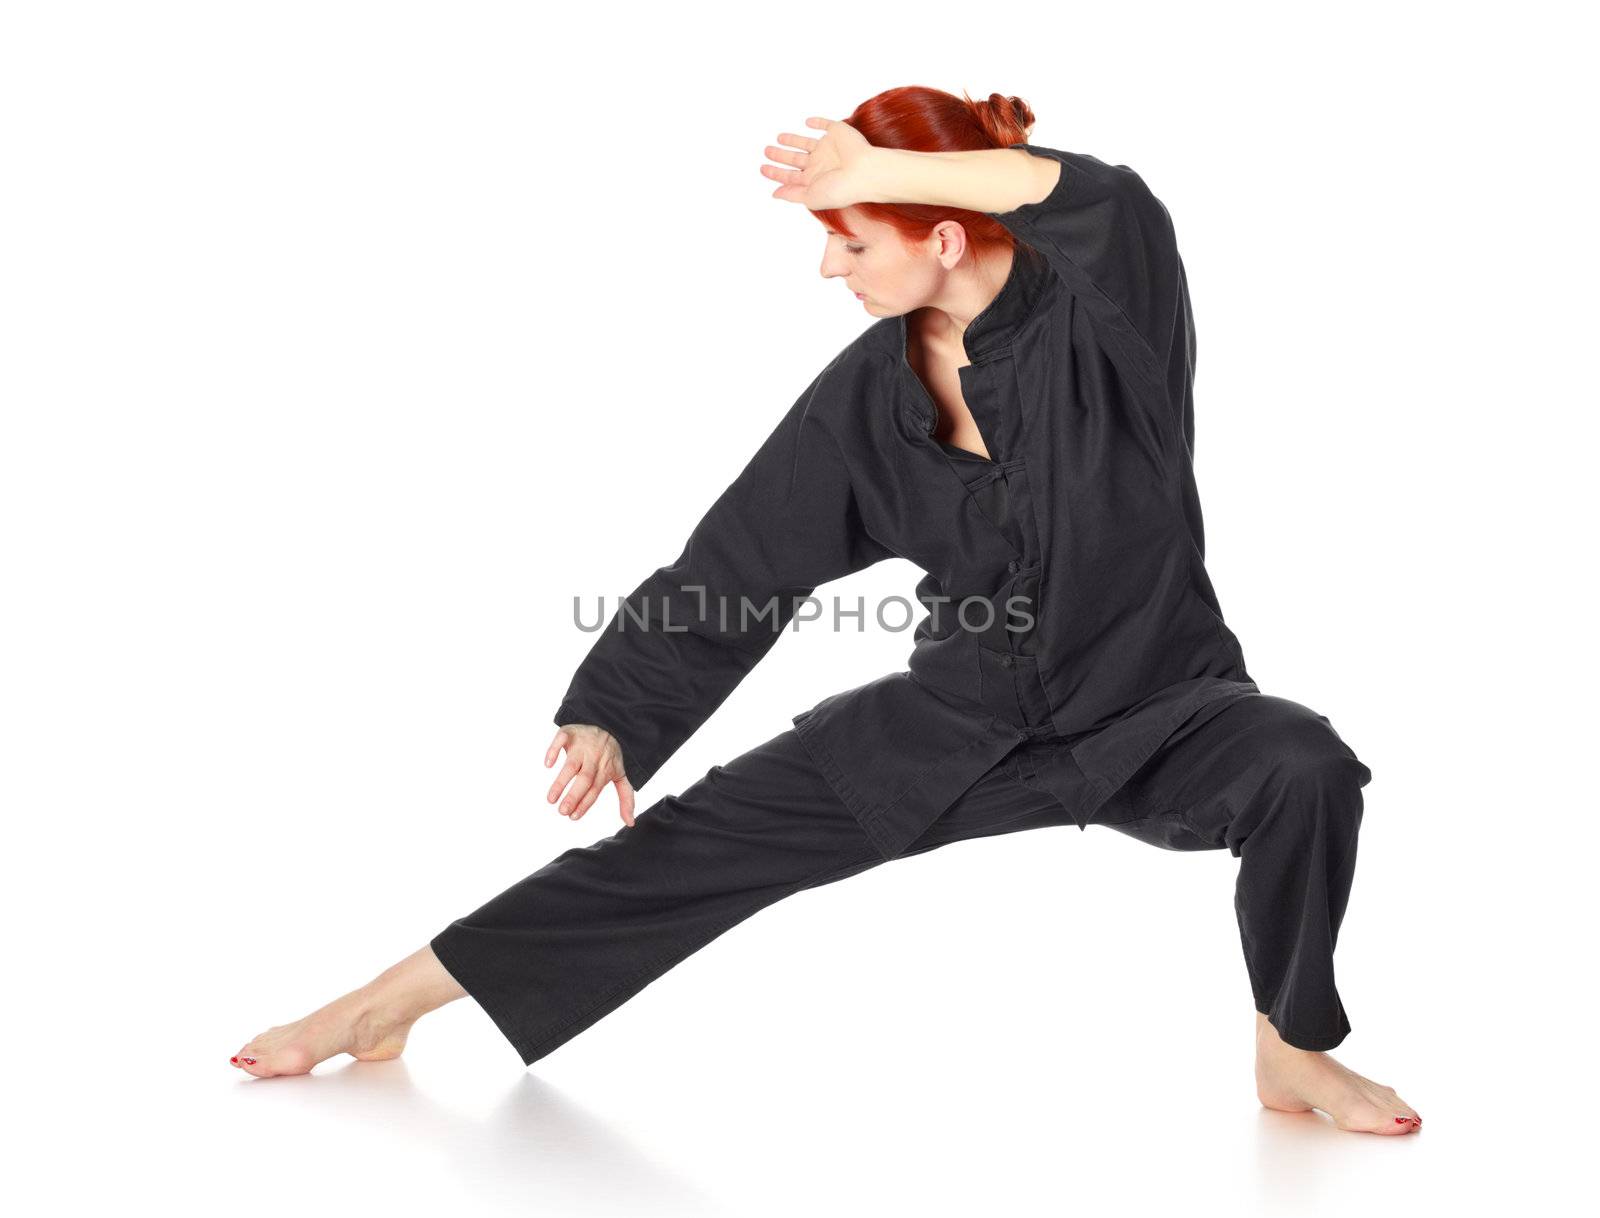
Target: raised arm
point(989, 180)
point(684, 639)
point(1107, 237)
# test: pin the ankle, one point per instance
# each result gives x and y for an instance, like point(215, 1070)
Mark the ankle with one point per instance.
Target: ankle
point(1268, 1040)
point(408, 990)
point(378, 1006)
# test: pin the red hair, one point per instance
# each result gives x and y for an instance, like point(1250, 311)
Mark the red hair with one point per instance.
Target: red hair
point(921, 119)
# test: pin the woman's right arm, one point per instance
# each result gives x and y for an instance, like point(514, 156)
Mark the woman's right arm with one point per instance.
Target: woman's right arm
point(840, 169)
point(681, 642)
point(988, 180)
point(1105, 235)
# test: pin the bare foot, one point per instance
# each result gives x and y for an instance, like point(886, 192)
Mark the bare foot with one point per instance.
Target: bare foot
point(1296, 1080)
point(371, 1024)
point(345, 1025)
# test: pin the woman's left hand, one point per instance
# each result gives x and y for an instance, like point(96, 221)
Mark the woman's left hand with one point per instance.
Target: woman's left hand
point(828, 172)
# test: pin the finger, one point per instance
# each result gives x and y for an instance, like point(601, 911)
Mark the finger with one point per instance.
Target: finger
point(587, 801)
point(565, 776)
point(625, 799)
point(576, 791)
point(559, 741)
point(596, 785)
point(805, 142)
point(784, 157)
point(818, 121)
point(793, 189)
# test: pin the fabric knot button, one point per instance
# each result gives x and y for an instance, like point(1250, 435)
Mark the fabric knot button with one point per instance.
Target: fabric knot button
point(1005, 661)
point(1013, 566)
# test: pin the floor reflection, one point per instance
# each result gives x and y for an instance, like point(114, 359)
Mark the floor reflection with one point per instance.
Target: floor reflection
point(537, 1147)
point(1300, 1155)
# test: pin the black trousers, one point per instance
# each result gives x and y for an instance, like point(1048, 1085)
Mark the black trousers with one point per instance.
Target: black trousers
point(1265, 778)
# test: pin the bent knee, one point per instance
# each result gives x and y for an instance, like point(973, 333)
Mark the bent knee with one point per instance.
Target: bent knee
point(1306, 753)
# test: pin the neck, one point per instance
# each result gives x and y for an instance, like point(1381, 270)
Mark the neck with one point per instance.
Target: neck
point(963, 296)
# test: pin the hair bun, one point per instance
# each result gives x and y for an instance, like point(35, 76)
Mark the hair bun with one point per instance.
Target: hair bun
point(1005, 119)
point(1020, 110)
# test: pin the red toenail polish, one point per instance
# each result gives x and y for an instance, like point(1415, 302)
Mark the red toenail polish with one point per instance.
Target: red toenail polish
point(234, 1060)
point(249, 1061)
point(1400, 1120)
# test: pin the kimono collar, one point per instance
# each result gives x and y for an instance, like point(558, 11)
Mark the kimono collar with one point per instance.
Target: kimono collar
point(990, 332)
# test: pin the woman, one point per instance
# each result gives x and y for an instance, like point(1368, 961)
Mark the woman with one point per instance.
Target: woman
point(1018, 421)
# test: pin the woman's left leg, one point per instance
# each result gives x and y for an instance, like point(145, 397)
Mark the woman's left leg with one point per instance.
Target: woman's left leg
point(1270, 781)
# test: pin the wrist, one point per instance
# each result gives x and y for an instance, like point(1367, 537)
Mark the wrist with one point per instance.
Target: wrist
point(882, 176)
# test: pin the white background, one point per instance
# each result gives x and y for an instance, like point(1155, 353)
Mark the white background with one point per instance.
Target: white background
point(345, 343)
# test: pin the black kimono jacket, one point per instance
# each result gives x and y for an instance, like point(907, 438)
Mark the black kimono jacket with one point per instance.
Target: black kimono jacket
point(1080, 381)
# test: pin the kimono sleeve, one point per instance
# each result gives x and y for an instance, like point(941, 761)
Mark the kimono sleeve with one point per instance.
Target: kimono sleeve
point(680, 643)
point(1110, 241)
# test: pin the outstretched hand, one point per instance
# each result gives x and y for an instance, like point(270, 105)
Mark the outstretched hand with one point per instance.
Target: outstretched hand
point(594, 761)
point(828, 172)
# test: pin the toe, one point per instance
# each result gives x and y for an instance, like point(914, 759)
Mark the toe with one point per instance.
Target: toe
point(1370, 1118)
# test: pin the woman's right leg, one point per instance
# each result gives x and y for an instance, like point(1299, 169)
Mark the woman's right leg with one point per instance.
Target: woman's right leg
point(556, 952)
point(559, 950)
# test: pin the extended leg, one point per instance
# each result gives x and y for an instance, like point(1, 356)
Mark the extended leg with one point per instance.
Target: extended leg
point(370, 1023)
point(558, 950)
point(563, 947)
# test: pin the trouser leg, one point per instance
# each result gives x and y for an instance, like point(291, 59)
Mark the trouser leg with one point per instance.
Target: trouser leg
point(576, 939)
point(560, 949)
point(1270, 781)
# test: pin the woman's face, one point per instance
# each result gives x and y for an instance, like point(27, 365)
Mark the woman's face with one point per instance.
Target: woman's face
point(889, 276)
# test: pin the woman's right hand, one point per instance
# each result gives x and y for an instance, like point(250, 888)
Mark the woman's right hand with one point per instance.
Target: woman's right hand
point(594, 760)
point(828, 172)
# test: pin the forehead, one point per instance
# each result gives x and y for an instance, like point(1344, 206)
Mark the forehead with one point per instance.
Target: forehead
point(861, 227)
